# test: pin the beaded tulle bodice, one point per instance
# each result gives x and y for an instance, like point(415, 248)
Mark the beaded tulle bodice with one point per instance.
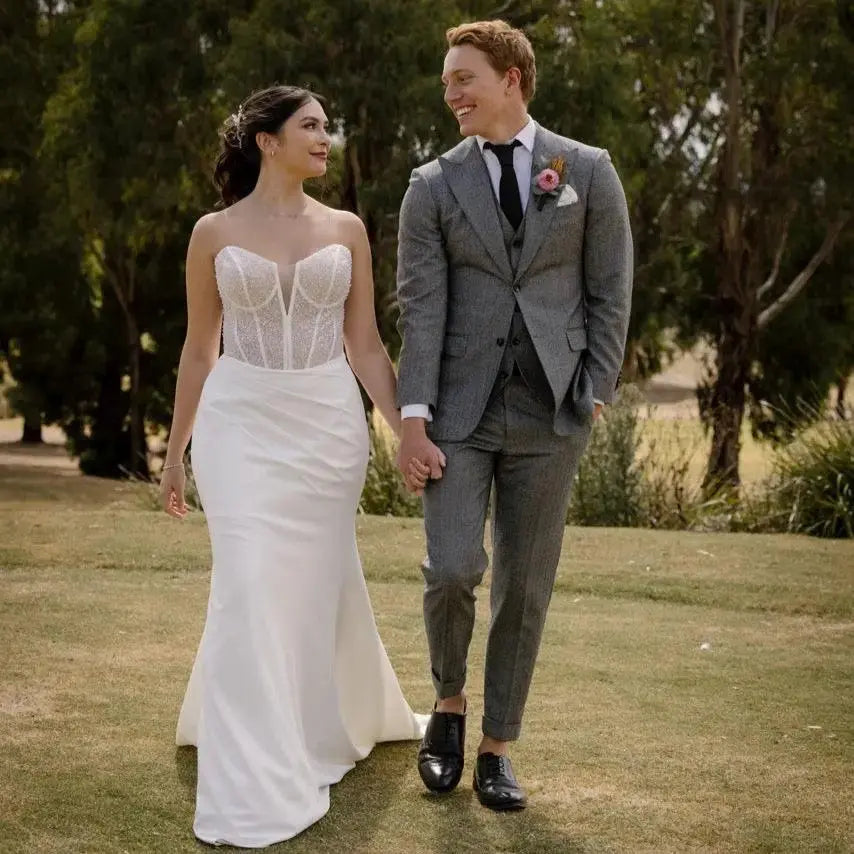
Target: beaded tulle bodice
point(285, 318)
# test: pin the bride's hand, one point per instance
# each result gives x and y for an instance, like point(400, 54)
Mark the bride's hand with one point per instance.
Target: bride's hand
point(417, 475)
point(173, 482)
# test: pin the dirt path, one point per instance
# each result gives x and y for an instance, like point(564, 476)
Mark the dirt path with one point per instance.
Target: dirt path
point(51, 454)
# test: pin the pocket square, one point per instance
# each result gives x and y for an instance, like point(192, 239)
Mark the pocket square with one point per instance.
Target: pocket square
point(567, 196)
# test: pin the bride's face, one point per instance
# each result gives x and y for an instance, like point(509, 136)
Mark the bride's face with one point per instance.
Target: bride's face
point(302, 144)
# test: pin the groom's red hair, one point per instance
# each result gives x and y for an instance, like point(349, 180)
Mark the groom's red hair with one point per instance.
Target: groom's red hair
point(504, 46)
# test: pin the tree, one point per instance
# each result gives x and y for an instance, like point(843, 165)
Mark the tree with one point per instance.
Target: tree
point(44, 303)
point(783, 163)
point(130, 131)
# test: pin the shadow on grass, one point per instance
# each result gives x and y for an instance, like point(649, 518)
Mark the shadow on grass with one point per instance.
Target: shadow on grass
point(185, 768)
point(462, 824)
point(380, 795)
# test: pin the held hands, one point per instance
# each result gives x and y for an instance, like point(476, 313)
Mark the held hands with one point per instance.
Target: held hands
point(418, 459)
point(173, 482)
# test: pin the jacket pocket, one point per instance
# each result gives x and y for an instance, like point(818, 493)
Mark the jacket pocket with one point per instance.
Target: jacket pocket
point(577, 338)
point(454, 345)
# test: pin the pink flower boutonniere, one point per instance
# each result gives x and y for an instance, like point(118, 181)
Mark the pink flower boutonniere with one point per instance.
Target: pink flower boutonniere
point(549, 182)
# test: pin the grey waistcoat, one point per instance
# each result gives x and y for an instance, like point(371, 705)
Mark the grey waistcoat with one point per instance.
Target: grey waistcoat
point(519, 348)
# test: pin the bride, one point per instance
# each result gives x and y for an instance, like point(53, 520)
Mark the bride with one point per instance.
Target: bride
point(291, 684)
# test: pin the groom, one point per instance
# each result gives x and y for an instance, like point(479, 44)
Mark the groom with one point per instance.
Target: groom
point(514, 283)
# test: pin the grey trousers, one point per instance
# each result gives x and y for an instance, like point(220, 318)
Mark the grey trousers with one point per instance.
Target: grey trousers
point(515, 448)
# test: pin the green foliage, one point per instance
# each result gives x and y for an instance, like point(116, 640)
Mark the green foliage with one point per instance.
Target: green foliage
point(128, 134)
point(805, 351)
point(384, 493)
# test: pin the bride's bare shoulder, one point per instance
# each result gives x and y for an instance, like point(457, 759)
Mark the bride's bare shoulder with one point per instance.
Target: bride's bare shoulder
point(349, 226)
point(209, 230)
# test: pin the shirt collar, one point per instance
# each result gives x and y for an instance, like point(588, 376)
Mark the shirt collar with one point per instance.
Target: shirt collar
point(525, 136)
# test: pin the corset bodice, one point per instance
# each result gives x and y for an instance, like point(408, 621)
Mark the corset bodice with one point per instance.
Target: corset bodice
point(283, 318)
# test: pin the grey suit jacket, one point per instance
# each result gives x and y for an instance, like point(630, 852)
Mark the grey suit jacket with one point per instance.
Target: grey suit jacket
point(457, 290)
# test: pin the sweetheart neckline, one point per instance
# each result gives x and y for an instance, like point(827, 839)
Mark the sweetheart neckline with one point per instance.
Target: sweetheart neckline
point(276, 263)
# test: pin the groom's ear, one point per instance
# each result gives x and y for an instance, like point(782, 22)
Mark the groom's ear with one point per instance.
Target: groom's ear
point(513, 78)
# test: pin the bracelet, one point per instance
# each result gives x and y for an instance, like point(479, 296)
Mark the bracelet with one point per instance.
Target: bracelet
point(172, 466)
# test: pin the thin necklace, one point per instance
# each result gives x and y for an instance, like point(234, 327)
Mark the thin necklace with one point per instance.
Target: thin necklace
point(299, 213)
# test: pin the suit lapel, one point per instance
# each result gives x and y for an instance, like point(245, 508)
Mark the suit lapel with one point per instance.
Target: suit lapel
point(538, 222)
point(468, 179)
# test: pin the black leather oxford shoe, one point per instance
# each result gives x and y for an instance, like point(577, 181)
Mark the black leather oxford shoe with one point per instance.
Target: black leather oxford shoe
point(496, 785)
point(440, 757)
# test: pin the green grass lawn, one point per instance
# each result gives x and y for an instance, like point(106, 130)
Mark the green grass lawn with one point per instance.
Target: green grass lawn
point(694, 692)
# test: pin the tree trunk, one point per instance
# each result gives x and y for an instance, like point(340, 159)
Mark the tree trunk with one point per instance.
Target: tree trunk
point(841, 388)
point(138, 463)
point(32, 429)
point(726, 406)
point(726, 411)
point(104, 450)
point(123, 279)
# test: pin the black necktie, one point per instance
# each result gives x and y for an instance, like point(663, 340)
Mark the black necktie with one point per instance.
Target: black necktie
point(508, 187)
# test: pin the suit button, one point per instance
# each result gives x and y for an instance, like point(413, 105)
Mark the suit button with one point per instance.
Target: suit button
point(516, 289)
point(517, 243)
point(515, 342)
point(500, 342)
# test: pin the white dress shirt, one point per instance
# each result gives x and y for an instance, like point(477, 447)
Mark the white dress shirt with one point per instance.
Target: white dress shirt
point(523, 160)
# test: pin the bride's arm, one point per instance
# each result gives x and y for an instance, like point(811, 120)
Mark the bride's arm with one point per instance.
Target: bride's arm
point(365, 350)
point(201, 343)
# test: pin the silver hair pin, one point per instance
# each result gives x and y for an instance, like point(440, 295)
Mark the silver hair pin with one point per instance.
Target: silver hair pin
point(238, 123)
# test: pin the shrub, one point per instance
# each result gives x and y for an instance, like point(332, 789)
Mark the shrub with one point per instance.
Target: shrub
point(609, 484)
point(811, 489)
point(672, 497)
point(632, 477)
point(384, 493)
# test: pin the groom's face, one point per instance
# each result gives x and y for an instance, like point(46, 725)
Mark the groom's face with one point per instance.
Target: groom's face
point(476, 93)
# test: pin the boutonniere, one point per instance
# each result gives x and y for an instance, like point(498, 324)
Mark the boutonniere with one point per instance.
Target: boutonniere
point(551, 182)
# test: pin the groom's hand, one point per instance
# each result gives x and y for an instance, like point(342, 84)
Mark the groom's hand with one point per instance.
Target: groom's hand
point(597, 410)
point(415, 445)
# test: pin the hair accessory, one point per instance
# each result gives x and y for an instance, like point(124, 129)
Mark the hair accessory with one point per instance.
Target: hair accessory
point(238, 126)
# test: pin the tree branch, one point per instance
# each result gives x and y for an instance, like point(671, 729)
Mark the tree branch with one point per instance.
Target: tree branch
point(802, 279)
point(738, 35)
point(771, 12)
point(112, 278)
point(686, 131)
point(778, 255)
point(701, 173)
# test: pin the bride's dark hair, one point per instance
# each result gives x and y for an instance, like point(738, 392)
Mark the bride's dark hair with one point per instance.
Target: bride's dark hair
point(239, 162)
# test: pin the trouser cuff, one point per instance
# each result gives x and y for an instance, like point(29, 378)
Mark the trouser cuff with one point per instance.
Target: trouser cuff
point(448, 689)
point(501, 731)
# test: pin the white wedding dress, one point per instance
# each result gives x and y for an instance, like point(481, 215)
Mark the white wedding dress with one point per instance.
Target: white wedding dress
point(291, 684)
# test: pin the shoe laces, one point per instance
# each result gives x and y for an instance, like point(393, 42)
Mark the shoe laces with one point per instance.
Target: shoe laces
point(495, 765)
